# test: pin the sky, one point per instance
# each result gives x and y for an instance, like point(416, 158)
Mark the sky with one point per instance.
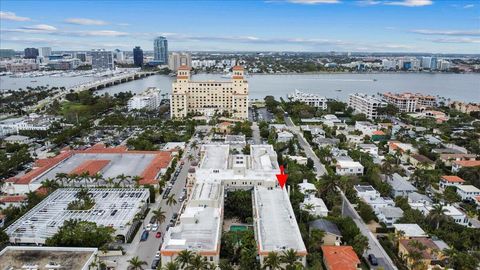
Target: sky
point(431, 26)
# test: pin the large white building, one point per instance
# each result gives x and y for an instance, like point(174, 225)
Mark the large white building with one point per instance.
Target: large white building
point(310, 99)
point(149, 99)
point(368, 105)
point(199, 227)
point(209, 97)
point(176, 60)
point(45, 51)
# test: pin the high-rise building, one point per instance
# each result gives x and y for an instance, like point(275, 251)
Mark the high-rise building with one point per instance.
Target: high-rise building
point(426, 62)
point(368, 105)
point(45, 51)
point(138, 56)
point(160, 50)
point(176, 60)
point(118, 55)
point(102, 59)
point(209, 97)
point(31, 53)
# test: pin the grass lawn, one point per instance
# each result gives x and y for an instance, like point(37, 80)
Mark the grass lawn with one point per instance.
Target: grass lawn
point(70, 110)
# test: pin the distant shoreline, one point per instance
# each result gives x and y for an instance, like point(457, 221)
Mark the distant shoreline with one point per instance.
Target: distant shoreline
point(340, 72)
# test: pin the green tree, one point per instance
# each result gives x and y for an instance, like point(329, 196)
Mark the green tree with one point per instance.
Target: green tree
point(360, 244)
point(136, 264)
point(450, 195)
point(290, 259)
point(171, 266)
point(184, 258)
point(437, 215)
point(272, 261)
point(75, 233)
point(171, 200)
point(159, 215)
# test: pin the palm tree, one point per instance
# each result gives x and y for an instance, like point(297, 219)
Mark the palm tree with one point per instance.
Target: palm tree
point(85, 176)
point(272, 261)
point(110, 181)
point(137, 180)
point(225, 265)
point(171, 266)
point(62, 177)
point(290, 258)
point(96, 178)
point(171, 200)
point(122, 178)
point(72, 178)
point(50, 185)
point(184, 258)
point(437, 214)
point(316, 239)
point(159, 215)
point(198, 262)
point(328, 184)
point(136, 264)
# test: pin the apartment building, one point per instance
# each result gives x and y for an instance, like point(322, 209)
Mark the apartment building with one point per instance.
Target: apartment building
point(209, 97)
point(149, 99)
point(368, 105)
point(409, 102)
point(310, 99)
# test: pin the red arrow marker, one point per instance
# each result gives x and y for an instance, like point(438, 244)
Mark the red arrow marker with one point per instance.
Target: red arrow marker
point(282, 177)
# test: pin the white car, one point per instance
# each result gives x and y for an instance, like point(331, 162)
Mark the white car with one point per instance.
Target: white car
point(154, 227)
point(157, 255)
point(148, 227)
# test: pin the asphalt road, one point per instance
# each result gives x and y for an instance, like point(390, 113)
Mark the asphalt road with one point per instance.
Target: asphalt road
point(146, 250)
point(318, 166)
point(347, 208)
point(256, 134)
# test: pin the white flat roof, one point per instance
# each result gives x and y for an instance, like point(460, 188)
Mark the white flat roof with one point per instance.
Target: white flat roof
point(468, 188)
point(277, 228)
point(216, 156)
point(410, 230)
point(45, 218)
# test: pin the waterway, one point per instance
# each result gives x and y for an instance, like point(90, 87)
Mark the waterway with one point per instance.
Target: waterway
point(464, 87)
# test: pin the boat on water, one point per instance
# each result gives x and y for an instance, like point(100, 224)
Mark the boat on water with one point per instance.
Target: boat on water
point(374, 80)
point(339, 90)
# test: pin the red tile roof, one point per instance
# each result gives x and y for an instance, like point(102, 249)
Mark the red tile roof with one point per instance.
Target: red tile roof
point(378, 132)
point(184, 67)
point(237, 68)
point(46, 164)
point(468, 163)
point(452, 179)
point(91, 166)
point(13, 199)
point(340, 257)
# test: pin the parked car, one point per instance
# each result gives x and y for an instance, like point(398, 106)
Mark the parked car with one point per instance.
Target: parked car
point(144, 236)
point(155, 227)
point(372, 259)
point(157, 255)
point(148, 227)
point(158, 235)
point(155, 263)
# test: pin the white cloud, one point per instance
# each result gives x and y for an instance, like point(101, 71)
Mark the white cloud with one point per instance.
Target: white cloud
point(41, 28)
point(85, 21)
point(100, 33)
point(10, 16)
point(369, 2)
point(456, 40)
point(469, 6)
point(410, 3)
point(447, 32)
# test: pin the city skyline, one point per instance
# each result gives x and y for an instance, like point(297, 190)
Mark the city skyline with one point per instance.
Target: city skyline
point(430, 26)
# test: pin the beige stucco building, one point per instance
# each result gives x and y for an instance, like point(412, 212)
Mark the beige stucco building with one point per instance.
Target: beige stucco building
point(209, 97)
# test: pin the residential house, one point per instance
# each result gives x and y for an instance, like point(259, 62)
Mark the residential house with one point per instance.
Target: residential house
point(306, 188)
point(13, 200)
point(468, 192)
point(450, 180)
point(379, 136)
point(326, 142)
point(315, 206)
point(389, 215)
point(430, 254)
point(17, 139)
point(458, 165)
point(299, 159)
point(340, 258)
point(366, 128)
point(408, 231)
point(333, 236)
point(284, 136)
point(224, 127)
point(354, 139)
point(448, 158)
point(346, 166)
point(400, 186)
point(369, 148)
point(418, 160)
